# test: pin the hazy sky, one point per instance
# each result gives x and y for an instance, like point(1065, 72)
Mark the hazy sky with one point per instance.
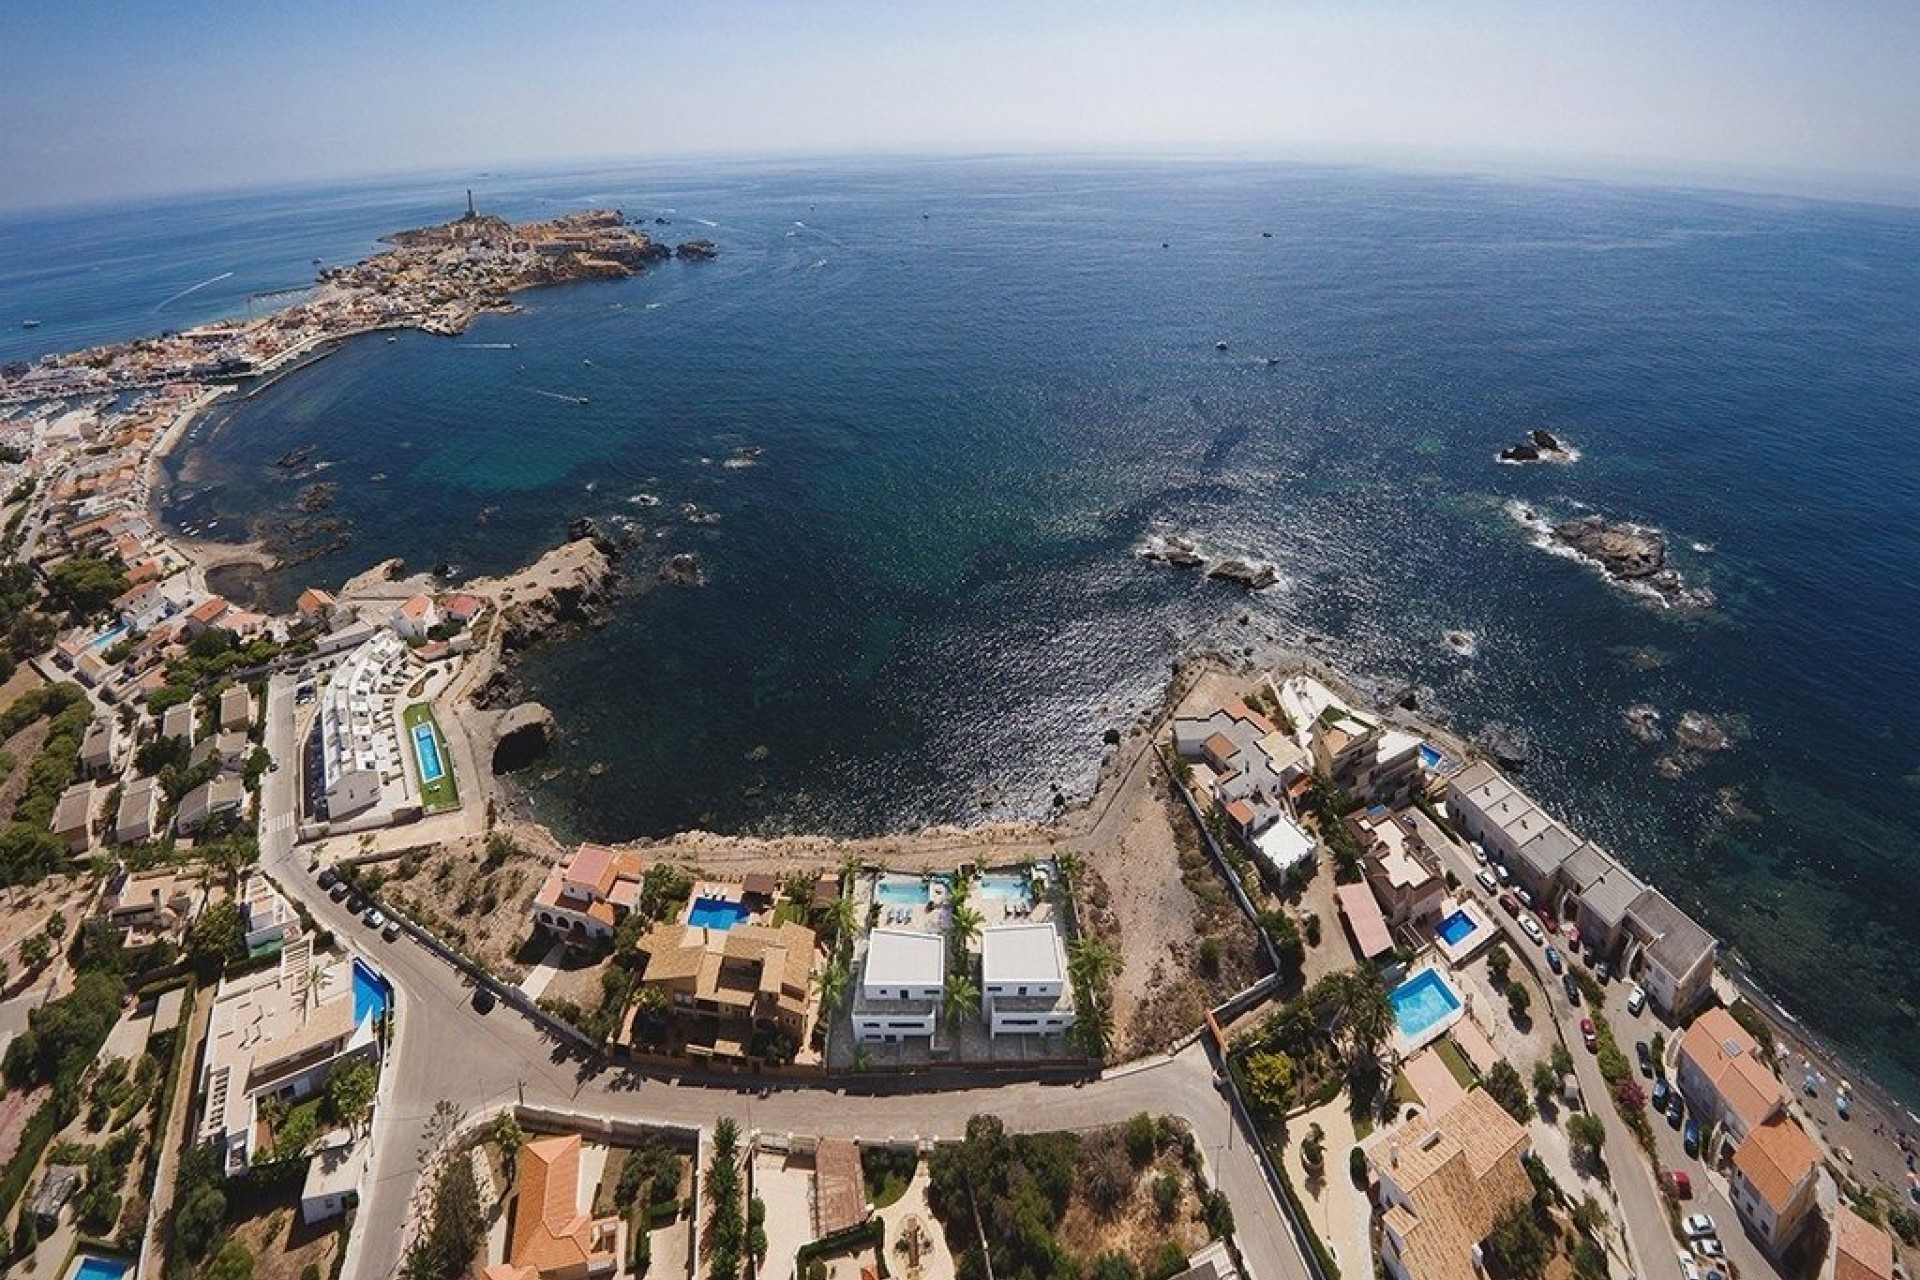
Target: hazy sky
point(113, 100)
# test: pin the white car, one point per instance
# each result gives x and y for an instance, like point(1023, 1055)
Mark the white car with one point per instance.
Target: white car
point(1636, 1000)
point(1698, 1226)
point(1709, 1247)
point(1531, 927)
point(1487, 881)
point(1689, 1269)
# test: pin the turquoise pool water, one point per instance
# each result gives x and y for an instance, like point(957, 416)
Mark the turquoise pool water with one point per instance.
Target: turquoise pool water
point(1456, 928)
point(901, 891)
point(101, 1269)
point(716, 913)
point(1004, 887)
point(426, 748)
point(370, 993)
point(1421, 1001)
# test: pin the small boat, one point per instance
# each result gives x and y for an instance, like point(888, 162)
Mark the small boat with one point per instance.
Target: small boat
point(1220, 345)
point(391, 338)
point(29, 324)
point(587, 363)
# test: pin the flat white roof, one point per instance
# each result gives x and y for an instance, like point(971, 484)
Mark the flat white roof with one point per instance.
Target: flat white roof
point(1021, 953)
point(1283, 844)
point(903, 958)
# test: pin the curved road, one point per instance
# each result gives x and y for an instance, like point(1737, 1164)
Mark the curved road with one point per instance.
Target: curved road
point(444, 1050)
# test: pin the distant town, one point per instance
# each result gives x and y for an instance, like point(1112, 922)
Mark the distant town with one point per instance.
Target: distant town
point(1304, 989)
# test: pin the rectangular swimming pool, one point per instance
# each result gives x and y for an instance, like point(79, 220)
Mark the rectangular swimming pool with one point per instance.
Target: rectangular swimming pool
point(1421, 1001)
point(369, 993)
point(92, 1268)
point(902, 891)
point(716, 913)
point(1003, 887)
point(426, 749)
point(1456, 928)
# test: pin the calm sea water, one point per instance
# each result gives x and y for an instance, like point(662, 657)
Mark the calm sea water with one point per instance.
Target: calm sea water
point(979, 386)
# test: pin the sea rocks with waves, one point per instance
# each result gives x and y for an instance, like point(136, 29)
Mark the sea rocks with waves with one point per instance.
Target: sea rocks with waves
point(568, 589)
point(1643, 722)
point(1183, 553)
point(1698, 731)
point(683, 570)
point(1539, 446)
point(1254, 577)
point(1632, 555)
point(521, 736)
point(1175, 550)
point(696, 251)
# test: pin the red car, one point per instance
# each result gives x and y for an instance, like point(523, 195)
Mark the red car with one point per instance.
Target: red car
point(1678, 1184)
point(1510, 904)
point(1587, 1034)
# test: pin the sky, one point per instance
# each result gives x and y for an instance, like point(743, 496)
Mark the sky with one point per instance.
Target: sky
point(111, 101)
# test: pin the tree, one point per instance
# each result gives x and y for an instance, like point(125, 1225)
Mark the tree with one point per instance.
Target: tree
point(1545, 1082)
point(1499, 964)
point(1287, 944)
point(508, 1136)
point(1521, 1243)
point(217, 937)
point(1517, 1001)
point(233, 1262)
point(86, 584)
point(1562, 1060)
point(961, 1000)
point(1313, 1150)
point(964, 925)
point(350, 1093)
point(1113, 1265)
point(1586, 1134)
point(1505, 1087)
point(1268, 1082)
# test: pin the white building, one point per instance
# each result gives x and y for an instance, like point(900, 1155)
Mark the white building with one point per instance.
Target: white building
point(277, 1034)
point(360, 743)
point(414, 617)
point(902, 985)
point(1023, 980)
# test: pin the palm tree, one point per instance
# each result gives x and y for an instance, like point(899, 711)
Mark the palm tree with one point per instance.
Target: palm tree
point(964, 924)
point(962, 999)
point(841, 918)
point(833, 988)
point(1361, 1013)
point(1092, 961)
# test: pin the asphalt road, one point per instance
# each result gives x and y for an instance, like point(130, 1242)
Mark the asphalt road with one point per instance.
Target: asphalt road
point(444, 1050)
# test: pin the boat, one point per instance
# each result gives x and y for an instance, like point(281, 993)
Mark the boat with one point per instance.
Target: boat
point(391, 338)
point(29, 324)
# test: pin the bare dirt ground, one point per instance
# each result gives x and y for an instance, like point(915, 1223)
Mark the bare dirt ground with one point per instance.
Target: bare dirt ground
point(1136, 1228)
point(282, 1245)
point(474, 895)
point(21, 748)
point(23, 678)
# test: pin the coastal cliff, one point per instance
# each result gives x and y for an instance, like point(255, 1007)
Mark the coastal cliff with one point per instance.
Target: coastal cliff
point(569, 589)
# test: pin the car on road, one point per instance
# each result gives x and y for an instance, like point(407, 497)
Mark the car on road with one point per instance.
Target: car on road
point(1676, 1109)
point(1636, 1000)
point(1691, 1140)
point(1500, 870)
point(392, 931)
point(1677, 1184)
point(1689, 1269)
point(1659, 1096)
point(1601, 972)
point(484, 1000)
point(1479, 853)
point(339, 891)
point(1531, 927)
point(1645, 1055)
point(1588, 1034)
point(1486, 880)
point(1709, 1247)
point(1698, 1226)
point(1510, 905)
point(328, 877)
point(1573, 988)
point(1553, 959)
point(374, 918)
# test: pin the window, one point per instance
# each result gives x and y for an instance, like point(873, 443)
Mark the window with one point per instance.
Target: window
point(1023, 991)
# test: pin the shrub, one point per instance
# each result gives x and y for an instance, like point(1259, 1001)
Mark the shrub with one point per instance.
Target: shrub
point(1357, 1166)
point(1143, 1139)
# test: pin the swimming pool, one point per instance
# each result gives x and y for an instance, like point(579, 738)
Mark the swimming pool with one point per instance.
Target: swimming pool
point(370, 993)
point(426, 749)
point(716, 913)
point(92, 1268)
point(1003, 887)
point(100, 643)
point(1421, 1001)
point(902, 891)
point(1456, 928)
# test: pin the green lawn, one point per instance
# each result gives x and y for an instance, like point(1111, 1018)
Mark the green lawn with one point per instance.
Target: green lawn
point(1456, 1061)
point(444, 793)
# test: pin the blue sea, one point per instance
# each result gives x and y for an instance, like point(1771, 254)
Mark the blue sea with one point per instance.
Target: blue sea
point(975, 389)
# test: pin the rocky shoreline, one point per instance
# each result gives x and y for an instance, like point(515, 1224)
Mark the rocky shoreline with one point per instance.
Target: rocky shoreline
point(1629, 555)
point(1181, 552)
point(1539, 446)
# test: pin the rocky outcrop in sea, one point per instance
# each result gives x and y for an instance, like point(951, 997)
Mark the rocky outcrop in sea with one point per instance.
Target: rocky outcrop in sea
point(1539, 446)
point(1631, 555)
point(1183, 553)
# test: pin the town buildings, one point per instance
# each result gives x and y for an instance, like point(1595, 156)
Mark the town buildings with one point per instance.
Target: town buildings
point(554, 1233)
point(902, 984)
point(1024, 989)
point(360, 741)
point(729, 991)
point(587, 894)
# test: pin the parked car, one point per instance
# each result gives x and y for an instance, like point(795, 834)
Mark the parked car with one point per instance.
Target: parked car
point(1588, 1034)
point(1601, 972)
point(1698, 1226)
point(1709, 1247)
point(339, 891)
point(1645, 1055)
point(1573, 988)
point(1689, 1269)
point(1692, 1137)
point(1553, 959)
point(1500, 870)
point(1677, 1184)
point(1510, 905)
point(374, 918)
point(1636, 1000)
point(327, 878)
point(1531, 927)
point(1526, 899)
point(1486, 880)
point(1676, 1109)
point(484, 1000)
point(392, 931)
point(1479, 853)
point(1659, 1096)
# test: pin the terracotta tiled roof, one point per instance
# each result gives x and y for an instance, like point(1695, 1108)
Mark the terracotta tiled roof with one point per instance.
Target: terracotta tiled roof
point(552, 1236)
point(1461, 1171)
point(1775, 1159)
point(1220, 747)
point(1861, 1251)
point(1730, 1060)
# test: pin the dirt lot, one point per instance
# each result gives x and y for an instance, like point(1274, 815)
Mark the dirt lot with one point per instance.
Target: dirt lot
point(282, 1245)
point(474, 895)
point(21, 748)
